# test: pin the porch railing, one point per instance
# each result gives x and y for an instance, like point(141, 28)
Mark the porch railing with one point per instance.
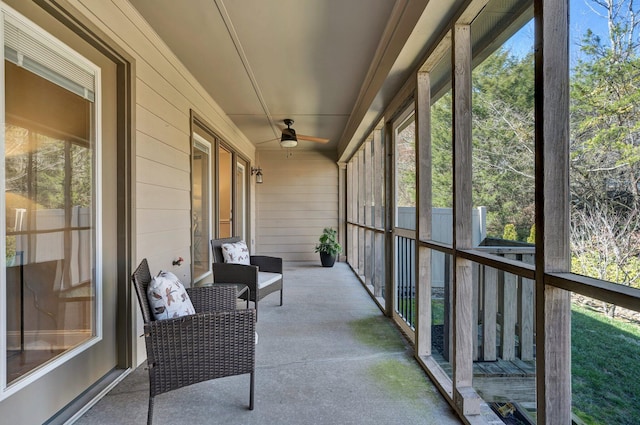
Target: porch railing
point(503, 304)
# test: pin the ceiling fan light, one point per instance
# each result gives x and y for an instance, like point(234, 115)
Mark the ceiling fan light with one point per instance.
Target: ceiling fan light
point(289, 139)
point(288, 143)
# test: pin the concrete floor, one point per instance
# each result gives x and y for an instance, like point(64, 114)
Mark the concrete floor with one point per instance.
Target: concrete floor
point(327, 356)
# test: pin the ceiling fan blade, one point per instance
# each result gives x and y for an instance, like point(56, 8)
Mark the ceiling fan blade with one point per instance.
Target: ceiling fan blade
point(312, 139)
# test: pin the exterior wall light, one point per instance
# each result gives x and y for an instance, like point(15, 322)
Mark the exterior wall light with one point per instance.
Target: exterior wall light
point(258, 173)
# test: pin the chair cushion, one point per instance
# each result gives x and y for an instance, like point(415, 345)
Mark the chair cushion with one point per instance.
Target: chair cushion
point(236, 252)
point(267, 278)
point(168, 298)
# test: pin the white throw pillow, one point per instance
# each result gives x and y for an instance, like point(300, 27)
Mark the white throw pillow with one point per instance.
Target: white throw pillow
point(168, 298)
point(236, 253)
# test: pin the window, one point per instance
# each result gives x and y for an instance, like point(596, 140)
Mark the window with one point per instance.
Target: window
point(201, 208)
point(52, 198)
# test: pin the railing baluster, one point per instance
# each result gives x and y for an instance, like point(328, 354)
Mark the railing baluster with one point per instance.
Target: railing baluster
point(509, 312)
point(489, 314)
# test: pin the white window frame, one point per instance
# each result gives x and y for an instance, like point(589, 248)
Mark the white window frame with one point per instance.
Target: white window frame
point(199, 140)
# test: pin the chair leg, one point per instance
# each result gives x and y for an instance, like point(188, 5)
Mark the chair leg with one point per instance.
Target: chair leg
point(281, 291)
point(150, 412)
point(252, 385)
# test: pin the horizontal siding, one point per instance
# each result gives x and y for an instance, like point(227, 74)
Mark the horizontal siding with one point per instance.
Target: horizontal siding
point(299, 197)
point(152, 125)
point(157, 220)
point(162, 174)
point(164, 95)
point(152, 196)
point(149, 148)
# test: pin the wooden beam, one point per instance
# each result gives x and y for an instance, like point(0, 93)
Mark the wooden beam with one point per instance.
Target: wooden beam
point(378, 219)
point(390, 217)
point(463, 395)
point(361, 211)
point(423, 212)
point(342, 207)
point(553, 305)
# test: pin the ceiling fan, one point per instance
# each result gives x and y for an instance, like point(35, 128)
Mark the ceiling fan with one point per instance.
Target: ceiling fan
point(290, 139)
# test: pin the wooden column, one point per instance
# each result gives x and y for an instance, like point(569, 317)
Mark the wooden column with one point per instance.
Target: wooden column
point(553, 305)
point(378, 218)
point(423, 213)
point(390, 216)
point(355, 169)
point(464, 397)
point(349, 213)
point(361, 212)
point(368, 213)
point(342, 207)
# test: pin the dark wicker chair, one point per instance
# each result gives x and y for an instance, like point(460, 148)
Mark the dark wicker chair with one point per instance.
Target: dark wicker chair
point(261, 276)
point(215, 342)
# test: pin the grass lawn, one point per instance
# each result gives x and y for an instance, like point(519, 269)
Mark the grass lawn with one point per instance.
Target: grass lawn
point(605, 368)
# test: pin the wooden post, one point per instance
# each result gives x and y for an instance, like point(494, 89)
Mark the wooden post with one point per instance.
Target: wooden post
point(361, 212)
point(342, 206)
point(368, 213)
point(464, 398)
point(378, 219)
point(354, 213)
point(390, 216)
point(553, 305)
point(423, 212)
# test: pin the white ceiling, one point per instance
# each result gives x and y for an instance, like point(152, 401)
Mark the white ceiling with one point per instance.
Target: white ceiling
point(315, 61)
point(330, 65)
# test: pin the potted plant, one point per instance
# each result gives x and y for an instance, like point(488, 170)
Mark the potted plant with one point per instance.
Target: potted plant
point(328, 247)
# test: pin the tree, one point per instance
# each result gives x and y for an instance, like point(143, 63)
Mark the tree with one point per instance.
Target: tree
point(503, 141)
point(510, 233)
point(605, 149)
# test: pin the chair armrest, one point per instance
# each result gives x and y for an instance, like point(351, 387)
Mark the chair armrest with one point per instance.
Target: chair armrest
point(211, 345)
point(213, 298)
point(234, 273)
point(267, 264)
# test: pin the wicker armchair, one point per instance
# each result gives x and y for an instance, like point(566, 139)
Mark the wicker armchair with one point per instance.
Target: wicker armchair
point(215, 342)
point(263, 276)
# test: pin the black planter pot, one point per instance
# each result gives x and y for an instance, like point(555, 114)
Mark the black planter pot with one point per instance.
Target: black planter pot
point(327, 260)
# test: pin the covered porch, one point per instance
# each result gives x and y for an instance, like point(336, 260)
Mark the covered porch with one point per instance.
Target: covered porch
point(327, 356)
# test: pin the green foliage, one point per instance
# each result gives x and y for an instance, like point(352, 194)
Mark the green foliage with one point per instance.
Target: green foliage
point(503, 142)
point(605, 153)
point(406, 166)
point(503, 138)
point(532, 234)
point(594, 264)
point(328, 242)
point(441, 152)
point(510, 233)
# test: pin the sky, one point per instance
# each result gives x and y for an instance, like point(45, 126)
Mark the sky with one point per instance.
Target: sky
point(581, 18)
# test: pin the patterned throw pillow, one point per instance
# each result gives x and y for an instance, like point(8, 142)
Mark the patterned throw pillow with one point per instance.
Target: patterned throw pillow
point(168, 298)
point(237, 253)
